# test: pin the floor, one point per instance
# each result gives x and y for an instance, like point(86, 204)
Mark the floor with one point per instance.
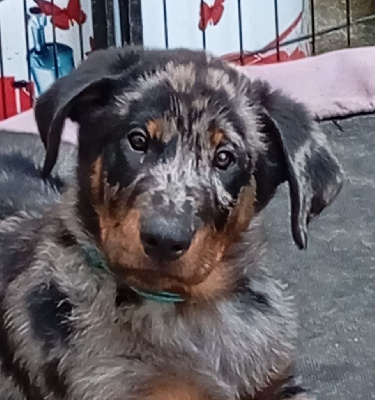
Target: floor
point(334, 279)
point(330, 13)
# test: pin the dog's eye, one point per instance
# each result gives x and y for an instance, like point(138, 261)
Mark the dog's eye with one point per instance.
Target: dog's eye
point(223, 159)
point(138, 141)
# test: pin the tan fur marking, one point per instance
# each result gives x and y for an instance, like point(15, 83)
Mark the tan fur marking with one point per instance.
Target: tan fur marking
point(174, 391)
point(209, 249)
point(120, 237)
point(96, 178)
point(218, 283)
point(201, 273)
point(155, 128)
point(209, 276)
point(244, 210)
point(217, 137)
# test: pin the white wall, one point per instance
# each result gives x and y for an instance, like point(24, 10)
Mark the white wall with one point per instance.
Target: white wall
point(14, 38)
point(258, 29)
point(258, 24)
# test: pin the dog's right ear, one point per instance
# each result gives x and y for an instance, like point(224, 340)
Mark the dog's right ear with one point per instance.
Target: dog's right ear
point(72, 104)
point(70, 96)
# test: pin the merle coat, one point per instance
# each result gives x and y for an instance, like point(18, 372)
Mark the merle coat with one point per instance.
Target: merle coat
point(178, 155)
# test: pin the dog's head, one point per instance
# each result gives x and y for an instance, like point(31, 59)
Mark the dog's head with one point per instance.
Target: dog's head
point(177, 152)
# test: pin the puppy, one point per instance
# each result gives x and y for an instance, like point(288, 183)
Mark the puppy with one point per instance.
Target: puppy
point(148, 280)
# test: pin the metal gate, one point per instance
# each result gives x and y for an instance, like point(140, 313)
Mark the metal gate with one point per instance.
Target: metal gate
point(53, 36)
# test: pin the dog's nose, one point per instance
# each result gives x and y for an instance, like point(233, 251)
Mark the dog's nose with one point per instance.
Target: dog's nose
point(164, 238)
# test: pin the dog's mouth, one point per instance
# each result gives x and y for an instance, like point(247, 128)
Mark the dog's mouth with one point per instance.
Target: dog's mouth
point(201, 283)
point(158, 290)
point(156, 280)
point(153, 274)
point(164, 287)
point(200, 271)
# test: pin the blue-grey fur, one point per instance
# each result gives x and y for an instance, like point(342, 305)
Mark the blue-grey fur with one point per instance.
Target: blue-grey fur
point(89, 347)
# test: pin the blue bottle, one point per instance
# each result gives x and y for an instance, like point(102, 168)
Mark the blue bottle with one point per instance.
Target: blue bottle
point(48, 61)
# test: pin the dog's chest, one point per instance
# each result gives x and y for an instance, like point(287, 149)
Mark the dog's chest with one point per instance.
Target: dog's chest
point(105, 348)
point(232, 348)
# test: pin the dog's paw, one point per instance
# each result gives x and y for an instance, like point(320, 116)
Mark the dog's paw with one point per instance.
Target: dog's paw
point(296, 393)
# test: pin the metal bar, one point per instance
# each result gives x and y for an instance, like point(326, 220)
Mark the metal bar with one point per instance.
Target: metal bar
point(165, 23)
point(100, 25)
point(55, 62)
point(312, 12)
point(131, 21)
point(81, 35)
point(240, 31)
point(135, 22)
point(348, 38)
point(204, 43)
point(110, 22)
point(27, 45)
point(317, 34)
point(82, 51)
point(124, 21)
point(277, 29)
point(3, 97)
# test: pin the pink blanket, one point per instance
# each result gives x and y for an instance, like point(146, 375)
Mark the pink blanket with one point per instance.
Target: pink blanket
point(335, 84)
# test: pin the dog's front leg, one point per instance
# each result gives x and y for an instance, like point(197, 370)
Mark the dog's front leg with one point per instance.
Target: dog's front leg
point(175, 390)
point(300, 395)
point(284, 388)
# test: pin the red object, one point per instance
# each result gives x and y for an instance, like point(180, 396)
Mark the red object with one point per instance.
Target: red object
point(269, 54)
point(63, 18)
point(26, 96)
point(10, 92)
point(8, 105)
point(252, 59)
point(210, 14)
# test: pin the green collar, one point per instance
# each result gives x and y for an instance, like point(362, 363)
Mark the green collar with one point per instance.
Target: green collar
point(96, 260)
point(159, 297)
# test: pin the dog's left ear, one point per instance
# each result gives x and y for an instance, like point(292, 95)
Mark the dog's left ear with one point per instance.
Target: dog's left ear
point(298, 152)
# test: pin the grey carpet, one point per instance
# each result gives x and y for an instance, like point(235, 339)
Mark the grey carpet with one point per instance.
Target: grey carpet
point(334, 279)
